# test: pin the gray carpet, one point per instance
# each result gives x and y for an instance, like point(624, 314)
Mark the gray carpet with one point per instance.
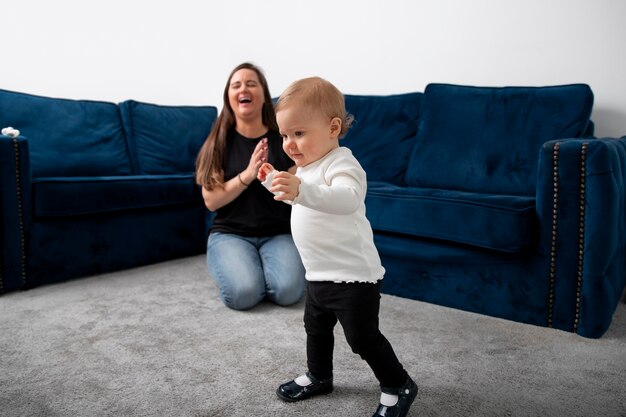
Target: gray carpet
point(157, 341)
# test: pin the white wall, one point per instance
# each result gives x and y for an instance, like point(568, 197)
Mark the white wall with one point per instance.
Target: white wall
point(180, 52)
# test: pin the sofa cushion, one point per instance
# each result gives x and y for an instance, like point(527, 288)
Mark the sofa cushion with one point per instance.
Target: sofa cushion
point(498, 222)
point(487, 139)
point(383, 133)
point(54, 197)
point(67, 137)
point(165, 139)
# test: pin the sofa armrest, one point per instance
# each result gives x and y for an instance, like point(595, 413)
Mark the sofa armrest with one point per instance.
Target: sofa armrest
point(581, 207)
point(15, 218)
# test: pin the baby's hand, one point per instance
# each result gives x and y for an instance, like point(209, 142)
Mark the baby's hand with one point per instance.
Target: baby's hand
point(265, 169)
point(285, 186)
point(269, 181)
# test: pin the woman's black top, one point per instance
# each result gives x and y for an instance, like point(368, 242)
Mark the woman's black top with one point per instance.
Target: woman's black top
point(254, 213)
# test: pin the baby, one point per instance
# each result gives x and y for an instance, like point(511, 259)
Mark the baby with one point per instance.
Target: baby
point(335, 242)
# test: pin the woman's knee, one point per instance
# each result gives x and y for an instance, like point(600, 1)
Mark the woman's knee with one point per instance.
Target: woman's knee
point(284, 273)
point(285, 288)
point(240, 290)
point(242, 298)
point(235, 266)
point(288, 293)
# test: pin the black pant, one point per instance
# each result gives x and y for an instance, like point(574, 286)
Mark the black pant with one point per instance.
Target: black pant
point(356, 306)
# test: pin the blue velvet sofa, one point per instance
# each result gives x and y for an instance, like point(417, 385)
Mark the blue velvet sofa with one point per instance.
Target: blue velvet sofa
point(493, 200)
point(497, 201)
point(92, 186)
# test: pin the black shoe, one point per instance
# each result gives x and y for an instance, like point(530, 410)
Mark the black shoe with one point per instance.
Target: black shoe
point(406, 395)
point(291, 391)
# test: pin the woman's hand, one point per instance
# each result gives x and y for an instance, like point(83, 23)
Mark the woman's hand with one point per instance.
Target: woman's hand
point(258, 157)
point(220, 196)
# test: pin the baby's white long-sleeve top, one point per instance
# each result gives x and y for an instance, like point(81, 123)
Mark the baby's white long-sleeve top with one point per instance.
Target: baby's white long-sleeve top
point(328, 222)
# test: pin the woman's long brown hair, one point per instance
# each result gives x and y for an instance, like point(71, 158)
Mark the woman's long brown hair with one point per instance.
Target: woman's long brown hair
point(210, 160)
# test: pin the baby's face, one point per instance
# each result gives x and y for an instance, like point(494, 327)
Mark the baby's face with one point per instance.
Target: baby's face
point(307, 136)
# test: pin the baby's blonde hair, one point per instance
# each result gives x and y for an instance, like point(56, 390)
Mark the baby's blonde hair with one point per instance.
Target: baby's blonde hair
point(317, 95)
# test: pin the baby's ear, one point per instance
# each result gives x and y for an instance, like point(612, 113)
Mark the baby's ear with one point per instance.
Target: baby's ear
point(335, 127)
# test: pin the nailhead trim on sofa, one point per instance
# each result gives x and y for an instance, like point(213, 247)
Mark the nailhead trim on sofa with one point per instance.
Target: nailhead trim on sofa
point(18, 190)
point(581, 231)
point(555, 208)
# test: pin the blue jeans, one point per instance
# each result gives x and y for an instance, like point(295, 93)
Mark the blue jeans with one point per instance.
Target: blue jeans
point(251, 269)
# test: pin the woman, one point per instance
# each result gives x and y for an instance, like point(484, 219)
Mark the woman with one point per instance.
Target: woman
point(250, 251)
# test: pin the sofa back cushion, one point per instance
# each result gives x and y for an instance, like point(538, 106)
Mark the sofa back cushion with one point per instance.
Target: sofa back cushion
point(165, 139)
point(66, 137)
point(487, 139)
point(383, 133)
